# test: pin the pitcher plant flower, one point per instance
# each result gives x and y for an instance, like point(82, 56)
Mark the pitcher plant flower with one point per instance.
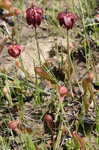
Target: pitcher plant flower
point(34, 16)
point(14, 50)
point(67, 19)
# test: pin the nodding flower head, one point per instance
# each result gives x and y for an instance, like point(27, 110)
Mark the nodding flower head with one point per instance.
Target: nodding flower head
point(14, 50)
point(34, 16)
point(67, 19)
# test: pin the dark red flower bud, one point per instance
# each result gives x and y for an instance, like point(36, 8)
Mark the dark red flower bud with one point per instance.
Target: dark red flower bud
point(13, 124)
point(97, 18)
point(34, 16)
point(14, 50)
point(90, 76)
point(48, 118)
point(67, 19)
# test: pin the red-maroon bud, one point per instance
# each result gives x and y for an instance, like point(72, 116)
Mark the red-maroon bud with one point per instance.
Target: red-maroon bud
point(67, 19)
point(63, 91)
point(34, 16)
point(14, 50)
point(97, 18)
point(48, 118)
point(90, 76)
point(17, 11)
point(13, 124)
point(80, 140)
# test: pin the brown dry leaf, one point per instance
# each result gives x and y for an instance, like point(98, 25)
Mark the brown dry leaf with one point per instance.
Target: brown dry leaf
point(2, 43)
point(17, 127)
point(40, 71)
point(25, 130)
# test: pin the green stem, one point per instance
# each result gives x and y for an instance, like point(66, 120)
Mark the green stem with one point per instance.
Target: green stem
point(38, 48)
point(88, 53)
point(69, 61)
point(23, 68)
point(68, 55)
point(58, 140)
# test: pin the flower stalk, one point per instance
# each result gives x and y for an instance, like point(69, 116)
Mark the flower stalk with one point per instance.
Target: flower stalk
point(38, 48)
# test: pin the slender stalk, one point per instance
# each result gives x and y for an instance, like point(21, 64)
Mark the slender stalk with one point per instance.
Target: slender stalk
point(70, 65)
point(38, 48)
point(69, 62)
point(36, 81)
point(40, 53)
point(21, 4)
point(23, 68)
point(59, 136)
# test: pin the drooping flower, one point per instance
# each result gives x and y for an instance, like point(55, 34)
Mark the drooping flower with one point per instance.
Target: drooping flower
point(67, 19)
point(49, 121)
point(34, 16)
point(14, 50)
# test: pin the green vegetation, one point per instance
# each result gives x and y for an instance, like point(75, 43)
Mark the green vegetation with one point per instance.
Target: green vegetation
point(49, 102)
